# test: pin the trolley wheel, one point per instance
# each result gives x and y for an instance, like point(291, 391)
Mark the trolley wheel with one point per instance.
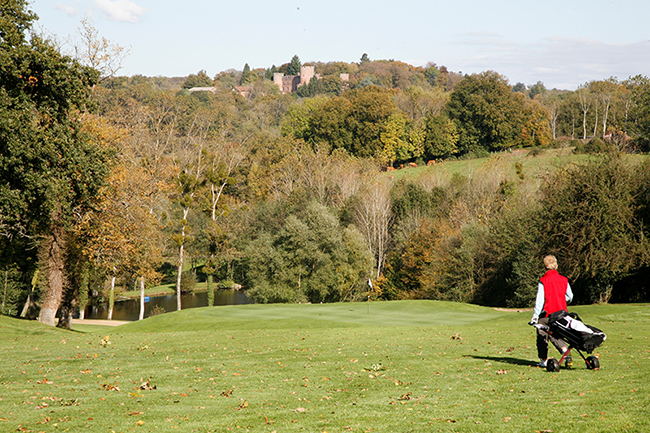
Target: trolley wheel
point(593, 363)
point(552, 365)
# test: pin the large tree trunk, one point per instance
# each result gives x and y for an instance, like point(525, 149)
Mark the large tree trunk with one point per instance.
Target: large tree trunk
point(55, 264)
point(68, 304)
point(65, 319)
point(28, 303)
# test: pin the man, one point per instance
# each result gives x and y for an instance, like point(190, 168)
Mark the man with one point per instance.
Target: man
point(553, 294)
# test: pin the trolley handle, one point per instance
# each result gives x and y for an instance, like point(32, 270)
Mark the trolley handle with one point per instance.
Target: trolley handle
point(539, 326)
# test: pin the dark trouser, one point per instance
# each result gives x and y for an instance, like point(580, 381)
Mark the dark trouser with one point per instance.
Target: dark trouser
point(542, 341)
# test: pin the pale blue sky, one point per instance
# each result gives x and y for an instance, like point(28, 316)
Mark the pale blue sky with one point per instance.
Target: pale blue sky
point(561, 43)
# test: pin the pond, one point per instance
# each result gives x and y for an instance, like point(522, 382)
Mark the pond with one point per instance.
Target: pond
point(130, 309)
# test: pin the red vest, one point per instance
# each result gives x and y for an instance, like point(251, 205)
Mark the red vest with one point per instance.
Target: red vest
point(555, 286)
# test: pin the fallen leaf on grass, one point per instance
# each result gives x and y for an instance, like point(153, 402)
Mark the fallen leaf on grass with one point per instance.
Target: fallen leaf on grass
point(135, 413)
point(44, 381)
point(139, 423)
point(109, 387)
point(147, 385)
point(300, 410)
point(227, 393)
point(46, 420)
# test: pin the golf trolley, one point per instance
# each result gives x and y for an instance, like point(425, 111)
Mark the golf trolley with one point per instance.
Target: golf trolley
point(578, 335)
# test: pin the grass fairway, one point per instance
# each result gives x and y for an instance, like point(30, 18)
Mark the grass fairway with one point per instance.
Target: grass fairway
point(384, 367)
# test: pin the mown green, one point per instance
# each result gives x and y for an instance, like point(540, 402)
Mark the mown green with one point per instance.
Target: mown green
point(383, 367)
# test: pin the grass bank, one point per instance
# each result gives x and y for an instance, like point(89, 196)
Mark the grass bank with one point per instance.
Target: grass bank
point(384, 367)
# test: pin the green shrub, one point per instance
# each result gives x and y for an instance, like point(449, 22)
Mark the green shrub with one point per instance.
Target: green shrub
point(188, 281)
point(594, 146)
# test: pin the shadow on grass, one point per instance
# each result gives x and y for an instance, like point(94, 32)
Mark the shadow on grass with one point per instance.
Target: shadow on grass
point(505, 360)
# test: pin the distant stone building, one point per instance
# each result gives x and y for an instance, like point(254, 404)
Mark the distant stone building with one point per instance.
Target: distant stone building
point(290, 83)
point(286, 83)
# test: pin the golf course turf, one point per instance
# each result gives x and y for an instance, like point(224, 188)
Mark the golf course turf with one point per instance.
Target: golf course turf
point(397, 366)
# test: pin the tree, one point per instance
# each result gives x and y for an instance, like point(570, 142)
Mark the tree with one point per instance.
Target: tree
point(393, 139)
point(606, 91)
point(50, 167)
point(309, 258)
point(519, 87)
point(298, 118)
point(188, 160)
point(431, 73)
point(419, 104)
point(641, 98)
point(536, 89)
point(294, 66)
point(486, 112)
point(122, 233)
point(585, 99)
point(535, 131)
point(369, 111)
point(552, 102)
point(328, 123)
point(417, 270)
point(329, 85)
point(588, 219)
point(98, 52)
point(247, 76)
point(634, 88)
point(441, 138)
point(373, 216)
point(200, 79)
point(222, 161)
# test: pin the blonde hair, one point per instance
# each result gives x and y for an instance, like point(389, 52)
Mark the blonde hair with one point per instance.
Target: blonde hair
point(550, 262)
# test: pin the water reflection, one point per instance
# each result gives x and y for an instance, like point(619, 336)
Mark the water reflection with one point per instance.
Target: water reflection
point(130, 309)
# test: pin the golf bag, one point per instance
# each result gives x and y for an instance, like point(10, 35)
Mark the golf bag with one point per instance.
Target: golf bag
point(571, 329)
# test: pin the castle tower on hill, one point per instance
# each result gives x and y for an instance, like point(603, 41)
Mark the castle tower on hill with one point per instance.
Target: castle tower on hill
point(290, 83)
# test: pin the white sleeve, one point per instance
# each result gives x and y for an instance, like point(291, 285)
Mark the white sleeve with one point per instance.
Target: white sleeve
point(569, 293)
point(539, 302)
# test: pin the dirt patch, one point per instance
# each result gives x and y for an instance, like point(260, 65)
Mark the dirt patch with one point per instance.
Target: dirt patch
point(99, 322)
